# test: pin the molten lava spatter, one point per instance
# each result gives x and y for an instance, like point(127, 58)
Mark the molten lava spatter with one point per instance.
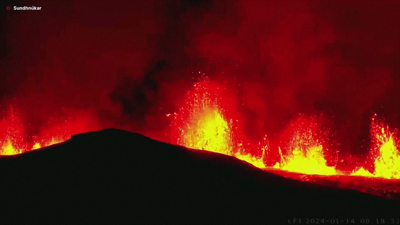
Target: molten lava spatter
point(12, 133)
point(52, 141)
point(210, 132)
point(362, 173)
point(384, 152)
point(14, 139)
point(257, 162)
point(387, 163)
point(305, 153)
point(206, 122)
point(9, 149)
point(200, 122)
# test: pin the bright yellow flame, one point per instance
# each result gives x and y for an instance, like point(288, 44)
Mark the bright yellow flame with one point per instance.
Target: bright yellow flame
point(208, 131)
point(313, 162)
point(387, 164)
point(36, 146)
point(257, 162)
point(202, 124)
point(53, 141)
point(362, 172)
point(306, 156)
point(9, 149)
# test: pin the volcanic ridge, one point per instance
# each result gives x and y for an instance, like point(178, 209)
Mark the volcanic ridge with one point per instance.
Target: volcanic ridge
point(114, 176)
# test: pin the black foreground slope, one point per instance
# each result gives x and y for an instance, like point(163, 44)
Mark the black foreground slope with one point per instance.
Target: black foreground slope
point(114, 176)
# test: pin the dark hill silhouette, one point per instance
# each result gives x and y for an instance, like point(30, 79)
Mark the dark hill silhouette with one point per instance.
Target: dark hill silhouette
point(114, 176)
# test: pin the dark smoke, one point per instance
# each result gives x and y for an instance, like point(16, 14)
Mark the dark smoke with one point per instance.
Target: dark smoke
point(128, 63)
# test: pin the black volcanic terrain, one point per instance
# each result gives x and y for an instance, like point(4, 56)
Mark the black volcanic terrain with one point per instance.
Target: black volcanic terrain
point(114, 176)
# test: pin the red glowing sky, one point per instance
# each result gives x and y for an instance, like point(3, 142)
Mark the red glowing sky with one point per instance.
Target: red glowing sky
point(127, 63)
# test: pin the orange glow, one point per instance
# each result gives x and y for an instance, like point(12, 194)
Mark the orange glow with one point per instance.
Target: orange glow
point(305, 154)
point(207, 121)
point(203, 126)
point(12, 133)
point(362, 173)
point(384, 152)
point(9, 149)
point(387, 163)
point(257, 162)
point(36, 146)
point(208, 130)
point(14, 140)
point(52, 141)
point(200, 124)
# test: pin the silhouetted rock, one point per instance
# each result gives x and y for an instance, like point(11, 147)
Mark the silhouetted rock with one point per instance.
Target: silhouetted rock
point(114, 176)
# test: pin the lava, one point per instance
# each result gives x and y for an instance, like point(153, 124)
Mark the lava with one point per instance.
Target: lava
point(9, 149)
point(12, 133)
point(387, 164)
point(206, 121)
point(305, 151)
point(52, 141)
point(384, 150)
point(200, 124)
point(203, 123)
point(15, 140)
point(254, 160)
point(309, 161)
point(211, 132)
point(257, 162)
point(362, 173)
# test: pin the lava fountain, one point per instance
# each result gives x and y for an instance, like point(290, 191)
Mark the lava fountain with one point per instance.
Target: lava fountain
point(15, 140)
point(12, 133)
point(208, 120)
point(384, 152)
point(200, 124)
point(305, 150)
point(204, 122)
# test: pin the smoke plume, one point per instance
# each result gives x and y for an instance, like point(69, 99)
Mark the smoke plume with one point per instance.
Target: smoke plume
point(127, 63)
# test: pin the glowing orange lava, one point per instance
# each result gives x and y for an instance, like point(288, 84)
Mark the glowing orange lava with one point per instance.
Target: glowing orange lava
point(12, 133)
point(52, 141)
point(209, 131)
point(362, 173)
point(387, 164)
point(201, 124)
point(206, 122)
point(305, 153)
point(385, 152)
point(14, 140)
point(257, 162)
point(204, 127)
point(9, 149)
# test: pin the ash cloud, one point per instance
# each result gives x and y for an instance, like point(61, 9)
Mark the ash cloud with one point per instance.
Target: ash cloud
point(129, 62)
